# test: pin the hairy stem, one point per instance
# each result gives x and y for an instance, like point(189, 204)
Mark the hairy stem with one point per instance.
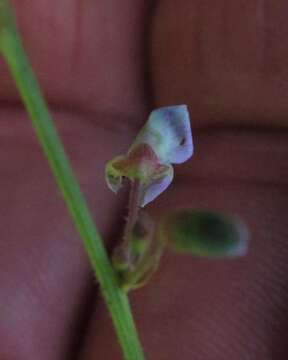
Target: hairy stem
point(116, 300)
point(133, 210)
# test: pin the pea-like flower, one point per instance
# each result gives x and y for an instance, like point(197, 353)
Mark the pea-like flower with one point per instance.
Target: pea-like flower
point(165, 139)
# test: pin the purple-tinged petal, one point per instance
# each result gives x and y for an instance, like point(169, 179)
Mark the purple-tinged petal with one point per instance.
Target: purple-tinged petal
point(153, 189)
point(168, 132)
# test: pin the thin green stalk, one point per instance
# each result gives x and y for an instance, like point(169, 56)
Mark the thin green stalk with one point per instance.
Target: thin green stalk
point(116, 300)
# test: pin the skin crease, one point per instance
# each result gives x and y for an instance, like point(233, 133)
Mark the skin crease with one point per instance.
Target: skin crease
point(92, 65)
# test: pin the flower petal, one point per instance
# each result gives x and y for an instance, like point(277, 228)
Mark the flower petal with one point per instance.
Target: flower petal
point(113, 176)
point(153, 189)
point(168, 132)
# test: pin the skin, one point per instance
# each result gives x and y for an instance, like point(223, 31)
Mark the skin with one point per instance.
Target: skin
point(102, 74)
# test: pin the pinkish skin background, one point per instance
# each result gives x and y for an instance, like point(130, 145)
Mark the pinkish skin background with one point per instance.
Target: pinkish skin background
point(103, 66)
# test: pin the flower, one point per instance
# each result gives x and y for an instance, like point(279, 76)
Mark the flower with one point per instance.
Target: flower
point(165, 139)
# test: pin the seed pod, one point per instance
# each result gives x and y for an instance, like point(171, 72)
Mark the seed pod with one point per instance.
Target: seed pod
point(204, 233)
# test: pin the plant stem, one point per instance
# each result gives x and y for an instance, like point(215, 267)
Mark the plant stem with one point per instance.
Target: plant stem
point(116, 300)
point(133, 210)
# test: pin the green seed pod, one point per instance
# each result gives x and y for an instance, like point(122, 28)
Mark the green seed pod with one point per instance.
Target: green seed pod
point(204, 233)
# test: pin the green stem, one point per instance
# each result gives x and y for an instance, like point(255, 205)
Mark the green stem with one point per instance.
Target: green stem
point(116, 300)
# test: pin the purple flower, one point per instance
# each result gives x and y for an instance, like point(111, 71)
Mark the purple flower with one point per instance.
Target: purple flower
point(165, 139)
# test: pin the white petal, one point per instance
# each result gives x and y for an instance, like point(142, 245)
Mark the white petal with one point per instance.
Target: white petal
point(168, 132)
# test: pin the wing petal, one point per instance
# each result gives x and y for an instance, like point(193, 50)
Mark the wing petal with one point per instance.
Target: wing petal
point(154, 188)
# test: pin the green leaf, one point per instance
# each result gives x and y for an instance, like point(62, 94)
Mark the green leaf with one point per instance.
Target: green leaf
point(204, 233)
